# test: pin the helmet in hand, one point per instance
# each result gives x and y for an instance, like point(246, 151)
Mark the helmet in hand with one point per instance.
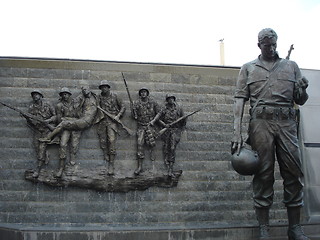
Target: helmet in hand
point(246, 162)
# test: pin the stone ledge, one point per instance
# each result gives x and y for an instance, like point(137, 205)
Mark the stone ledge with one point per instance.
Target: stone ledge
point(24, 232)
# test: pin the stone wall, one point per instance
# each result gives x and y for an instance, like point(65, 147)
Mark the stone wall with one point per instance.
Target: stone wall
point(209, 192)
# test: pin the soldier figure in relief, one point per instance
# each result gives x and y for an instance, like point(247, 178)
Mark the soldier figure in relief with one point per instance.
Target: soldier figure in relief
point(144, 111)
point(171, 137)
point(66, 111)
point(107, 127)
point(44, 110)
point(85, 109)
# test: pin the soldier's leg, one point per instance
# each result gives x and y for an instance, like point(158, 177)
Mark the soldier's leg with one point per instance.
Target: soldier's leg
point(140, 150)
point(262, 140)
point(41, 154)
point(102, 134)
point(64, 139)
point(75, 142)
point(288, 155)
point(111, 139)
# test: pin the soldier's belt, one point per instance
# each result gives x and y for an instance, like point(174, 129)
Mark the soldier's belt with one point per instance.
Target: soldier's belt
point(274, 113)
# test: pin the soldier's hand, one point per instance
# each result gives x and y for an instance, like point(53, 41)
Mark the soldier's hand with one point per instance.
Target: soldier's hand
point(303, 83)
point(236, 143)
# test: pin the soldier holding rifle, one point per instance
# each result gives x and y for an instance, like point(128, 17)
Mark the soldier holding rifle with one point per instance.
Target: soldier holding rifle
point(144, 111)
point(110, 110)
point(171, 137)
point(46, 112)
point(40, 117)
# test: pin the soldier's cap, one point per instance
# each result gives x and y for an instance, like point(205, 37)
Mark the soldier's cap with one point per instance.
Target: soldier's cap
point(36, 91)
point(104, 83)
point(170, 96)
point(65, 90)
point(144, 89)
point(267, 33)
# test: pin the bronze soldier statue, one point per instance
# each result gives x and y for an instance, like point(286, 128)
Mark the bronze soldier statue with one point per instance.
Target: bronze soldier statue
point(66, 110)
point(144, 111)
point(171, 137)
point(107, 126)
point(273, 85)
point(45, 111)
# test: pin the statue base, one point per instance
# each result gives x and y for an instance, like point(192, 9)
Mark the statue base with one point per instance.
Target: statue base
point(98, 179)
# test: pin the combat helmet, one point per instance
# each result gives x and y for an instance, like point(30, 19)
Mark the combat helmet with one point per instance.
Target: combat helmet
point(104, 83)
point(144, 88)
point(170, 96)
point(65, 90)
point(37, 91)
point(246, 162)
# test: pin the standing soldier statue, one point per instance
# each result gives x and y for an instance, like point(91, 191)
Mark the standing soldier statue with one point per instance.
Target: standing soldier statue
point(66, 111)
point(171, 136)
point(273, 85)
point(107, 124)
point(144, 111)
point(45, 111)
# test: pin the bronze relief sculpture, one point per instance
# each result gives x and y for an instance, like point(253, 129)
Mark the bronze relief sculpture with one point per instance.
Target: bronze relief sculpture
point(64, 125)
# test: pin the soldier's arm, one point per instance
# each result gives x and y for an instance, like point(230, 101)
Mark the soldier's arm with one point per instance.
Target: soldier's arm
point(236, 141)
point(300, 93)
point(121, 107)
point(134, 113)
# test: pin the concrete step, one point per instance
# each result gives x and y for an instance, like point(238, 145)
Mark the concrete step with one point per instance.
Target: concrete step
point(99, 232)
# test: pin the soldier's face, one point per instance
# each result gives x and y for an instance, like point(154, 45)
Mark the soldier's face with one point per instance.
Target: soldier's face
point(268, 48)
point(85, 91)
point(65, 96)
point(36, 97)
point(143, 93)
point(105, 89)
point(170, 100)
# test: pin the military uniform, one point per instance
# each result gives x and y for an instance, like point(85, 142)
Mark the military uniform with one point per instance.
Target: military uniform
point(171, 137)
point(272, 128)
point(66, 111)
point(108, 128)
point(43, 110)
point(144, 112)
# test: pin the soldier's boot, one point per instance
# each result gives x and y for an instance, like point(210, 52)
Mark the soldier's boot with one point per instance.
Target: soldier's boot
point(72, 159)
point(295, 231)
point(37, 171)
point(62, 162)
point(263, 220)
point(47, 158)
point(152, 155)
point(139, 168)
point(111, 165)
point(170, 169)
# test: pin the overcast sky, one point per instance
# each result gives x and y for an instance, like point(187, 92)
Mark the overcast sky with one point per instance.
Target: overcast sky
point(163, 31)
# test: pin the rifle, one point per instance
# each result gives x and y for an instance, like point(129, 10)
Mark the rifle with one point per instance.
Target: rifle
point(163, 130)
point(128, 130)
point(295, 105)
point(130, 99)
point(289, 52)
point(29, 116)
